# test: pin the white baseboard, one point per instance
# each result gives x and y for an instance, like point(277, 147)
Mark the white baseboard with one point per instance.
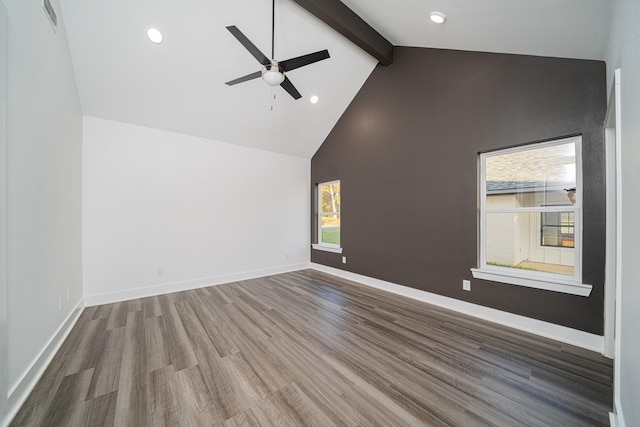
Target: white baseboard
point(20, 390)
point(167, 288)
point(613, 420)
point(527, 324)
point(616, 418)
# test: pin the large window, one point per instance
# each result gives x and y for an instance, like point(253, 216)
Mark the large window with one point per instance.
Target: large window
point(328, 206)
point(530, 216)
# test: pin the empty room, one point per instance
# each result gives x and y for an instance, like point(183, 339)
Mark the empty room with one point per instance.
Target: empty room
point(319, 212)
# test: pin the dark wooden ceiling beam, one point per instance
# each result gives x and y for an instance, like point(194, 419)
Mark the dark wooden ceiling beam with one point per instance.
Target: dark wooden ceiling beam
point(338, 16)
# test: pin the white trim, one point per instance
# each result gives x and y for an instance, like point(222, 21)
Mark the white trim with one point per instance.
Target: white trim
point(166, 288)
point(512, 278)
point(4, 333)
point(540, 209)
point(616, 419)
point(613, 420)
point(549, 330)
point(618, 415)
point(20, 390)
point(617, 373)
point(324, 247)
point(610, 233)
point(613, 264)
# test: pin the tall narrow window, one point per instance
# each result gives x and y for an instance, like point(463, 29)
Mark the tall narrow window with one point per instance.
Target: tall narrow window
point(328, 204)
point(530, 216)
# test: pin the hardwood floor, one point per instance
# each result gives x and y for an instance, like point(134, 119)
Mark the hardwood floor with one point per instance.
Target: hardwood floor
point(306, 348)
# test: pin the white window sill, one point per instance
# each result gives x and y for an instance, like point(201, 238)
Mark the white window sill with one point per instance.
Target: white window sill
point(326, 248)
point(564, 286)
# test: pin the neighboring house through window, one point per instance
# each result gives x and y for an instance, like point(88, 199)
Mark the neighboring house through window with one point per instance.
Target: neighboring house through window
point(557, 229)
point(328, 209)
point(531, 216)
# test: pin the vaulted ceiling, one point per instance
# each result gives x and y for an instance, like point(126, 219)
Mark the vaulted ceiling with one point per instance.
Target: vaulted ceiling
point(178, 85)
point(559, 28)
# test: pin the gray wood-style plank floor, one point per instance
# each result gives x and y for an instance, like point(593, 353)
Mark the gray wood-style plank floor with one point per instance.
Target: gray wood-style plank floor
point(307, 348)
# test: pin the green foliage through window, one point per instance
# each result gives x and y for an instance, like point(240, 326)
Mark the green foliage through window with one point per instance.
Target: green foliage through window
point(329, 206)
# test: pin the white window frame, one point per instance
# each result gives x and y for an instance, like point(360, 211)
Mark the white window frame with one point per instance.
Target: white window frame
point(319, 245)
point(533, 279)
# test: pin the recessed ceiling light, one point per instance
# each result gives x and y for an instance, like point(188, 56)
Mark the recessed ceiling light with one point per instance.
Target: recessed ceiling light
point(314, 99)
point(155, 35)
point(438, 17)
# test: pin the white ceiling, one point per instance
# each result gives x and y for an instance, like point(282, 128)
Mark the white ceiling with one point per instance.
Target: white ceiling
point(558, 28)
point(179, 84)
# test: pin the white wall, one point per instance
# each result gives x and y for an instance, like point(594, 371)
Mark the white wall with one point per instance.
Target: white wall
point(624, 53)
point(44, 131)
point(164, 211)
point(3, 211)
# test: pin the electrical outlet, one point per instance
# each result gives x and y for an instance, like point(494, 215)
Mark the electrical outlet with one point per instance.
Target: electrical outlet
point(344, 259)
point(466, 285)
point(68, 295)
point(60, 304)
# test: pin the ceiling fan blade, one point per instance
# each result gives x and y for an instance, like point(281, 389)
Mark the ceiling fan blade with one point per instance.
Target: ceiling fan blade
point(245, 78)
point(253, 50)
point(301, 61)
point(288, 86)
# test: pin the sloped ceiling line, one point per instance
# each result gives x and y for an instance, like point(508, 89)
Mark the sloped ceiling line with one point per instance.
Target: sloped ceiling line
point(338, 16)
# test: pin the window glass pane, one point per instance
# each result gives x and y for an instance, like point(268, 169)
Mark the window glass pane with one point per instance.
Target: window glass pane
point(543, 176)
point(330, 197)
point(330, 229)
point(557, 229)
point(330, 213)
point(513, 240)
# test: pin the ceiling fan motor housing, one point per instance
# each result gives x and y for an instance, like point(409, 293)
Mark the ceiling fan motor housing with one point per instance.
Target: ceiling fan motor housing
point(273, 74)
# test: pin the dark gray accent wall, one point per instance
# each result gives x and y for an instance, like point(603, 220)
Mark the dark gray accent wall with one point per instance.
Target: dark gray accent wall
point(406, 152)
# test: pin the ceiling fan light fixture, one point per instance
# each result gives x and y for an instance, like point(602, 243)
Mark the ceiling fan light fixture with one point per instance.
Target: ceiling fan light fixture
point(438, 17)
point(272, 75)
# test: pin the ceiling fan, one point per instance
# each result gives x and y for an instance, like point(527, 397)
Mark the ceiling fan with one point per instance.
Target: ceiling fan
point(273, 71)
